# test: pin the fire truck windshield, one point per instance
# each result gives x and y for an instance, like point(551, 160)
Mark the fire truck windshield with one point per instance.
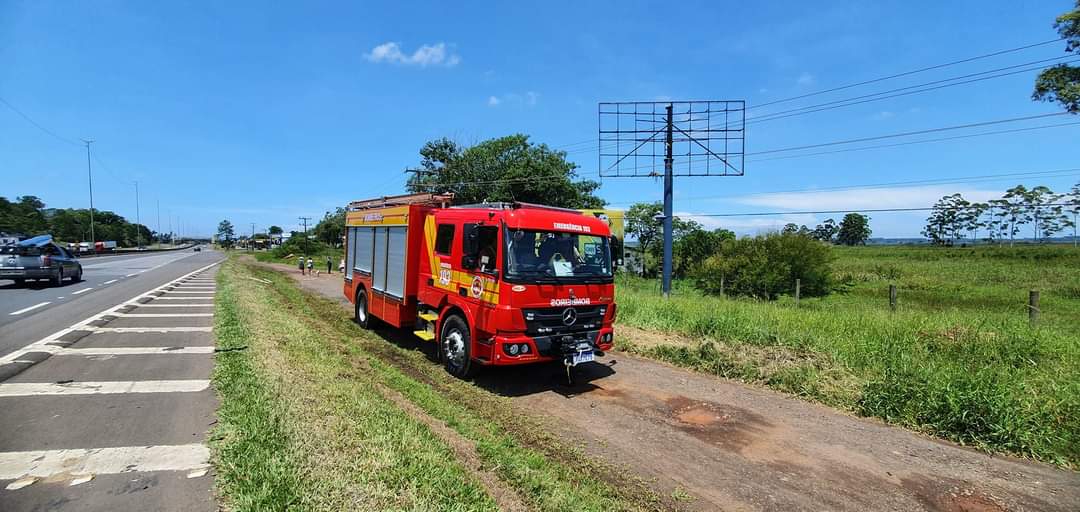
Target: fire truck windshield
point(558, 256)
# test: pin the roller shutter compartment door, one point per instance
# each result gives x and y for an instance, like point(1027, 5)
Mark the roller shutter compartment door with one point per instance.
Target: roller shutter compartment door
point(350, 252)
point(378, 271)
point(364, 249)
point(395, 262)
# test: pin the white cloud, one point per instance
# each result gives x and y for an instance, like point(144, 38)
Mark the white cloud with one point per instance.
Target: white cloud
point(805, 79)
point(750, 225)
point(529, 98)
point(865, 198)
point(884, 114)
point(436, 54)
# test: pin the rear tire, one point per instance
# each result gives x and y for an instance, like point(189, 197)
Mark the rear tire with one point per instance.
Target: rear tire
point(58, 279)
point(78, 276)
point(360, 310)
point(455, 344)
point(19, 282)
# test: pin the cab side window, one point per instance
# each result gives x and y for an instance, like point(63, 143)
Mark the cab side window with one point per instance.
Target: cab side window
point(489, 246)
point(444, 238)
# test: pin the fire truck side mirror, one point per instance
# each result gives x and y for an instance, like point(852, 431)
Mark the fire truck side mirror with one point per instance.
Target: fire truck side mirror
point(470, 246)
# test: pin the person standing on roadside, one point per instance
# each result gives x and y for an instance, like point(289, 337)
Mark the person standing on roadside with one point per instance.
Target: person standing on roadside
point(310, 266)
point(301, 265)
point(329, 265)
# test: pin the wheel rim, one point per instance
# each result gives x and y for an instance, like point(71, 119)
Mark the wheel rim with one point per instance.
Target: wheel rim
point(361, 309)
point(454, 346)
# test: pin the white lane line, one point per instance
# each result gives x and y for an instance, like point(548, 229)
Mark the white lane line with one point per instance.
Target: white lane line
point(84, 290)
point(84, 324)
point(161, 315)
point(110, 282)
point(31, 308)
point(191, 293)
point(132, 351)
point(103, 461)
point(190, 287)
point(185, 298)
point(129, 275)
point(148, 329)
point(206, 305)
point(102, 387)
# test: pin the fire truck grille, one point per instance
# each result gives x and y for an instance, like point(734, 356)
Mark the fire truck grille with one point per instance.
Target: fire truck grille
point(562, 320)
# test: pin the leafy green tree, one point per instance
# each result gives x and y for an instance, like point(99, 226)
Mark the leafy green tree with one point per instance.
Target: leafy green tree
point(1061, 83)
point(503, 169)
point(644, 223)
point(1073, 208)
point(225, 232)
point(826, 231)
point(767, 266)
point(275, 230)
point(854, 229)
point(331, 228)
point(696, 245)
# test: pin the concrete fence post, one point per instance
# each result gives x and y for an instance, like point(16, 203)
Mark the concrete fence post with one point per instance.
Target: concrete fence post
point(892, 297)
point(1033, 306)
point(798, 289)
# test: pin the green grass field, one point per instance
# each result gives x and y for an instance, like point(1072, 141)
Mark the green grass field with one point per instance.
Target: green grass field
point(957, 360)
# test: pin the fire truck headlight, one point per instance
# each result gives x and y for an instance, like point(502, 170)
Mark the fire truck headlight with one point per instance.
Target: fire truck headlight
point(524, 348)
point(607, 338)
point(513, 349)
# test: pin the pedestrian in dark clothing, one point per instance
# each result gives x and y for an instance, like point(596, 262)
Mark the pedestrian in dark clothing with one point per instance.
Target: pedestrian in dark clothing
point(329, 265)
point(301, 265)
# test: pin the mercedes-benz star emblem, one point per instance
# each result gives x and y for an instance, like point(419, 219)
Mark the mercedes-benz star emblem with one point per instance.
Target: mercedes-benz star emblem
point(569, 316)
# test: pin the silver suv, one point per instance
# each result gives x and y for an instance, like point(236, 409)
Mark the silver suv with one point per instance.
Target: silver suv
point(38, 258)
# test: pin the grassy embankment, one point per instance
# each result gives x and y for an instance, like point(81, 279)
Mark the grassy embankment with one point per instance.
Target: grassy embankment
point(957, 360)
point(318, 252)
point(308, 419)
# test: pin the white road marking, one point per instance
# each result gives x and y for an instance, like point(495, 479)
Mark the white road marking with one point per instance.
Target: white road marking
point(205, 305)
point(161, 315)
point(81, 480)
point(129, 275)
point(132, 351)
point(84, 290)
point(31, 308)
point(148, 329)
point(103, 461)
point(100, 388)
point(190, 293)
point(190, 287)
point(111, 281)
point(183, 298)
point(84, 324)
point(20, 483)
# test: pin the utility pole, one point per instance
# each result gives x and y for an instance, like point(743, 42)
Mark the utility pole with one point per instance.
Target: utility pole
point(159, 222)
point(305, 220)
point(90, 177)
point(252, 241)
point(138, 219)
point(668, 179)
point(172, 237)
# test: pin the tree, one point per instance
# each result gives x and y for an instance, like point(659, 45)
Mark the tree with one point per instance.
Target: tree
point(275, 230)
point(645, 223)
point(826, 231)
point(854, 229)
point(504, 169)
point(331, 228)
point(225, 233)
point(1061, 83)
point(1074, 208)
point(694, 246)
point(767, 266)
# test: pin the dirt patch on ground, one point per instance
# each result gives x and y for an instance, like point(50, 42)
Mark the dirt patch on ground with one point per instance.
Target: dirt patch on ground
point(724, 445)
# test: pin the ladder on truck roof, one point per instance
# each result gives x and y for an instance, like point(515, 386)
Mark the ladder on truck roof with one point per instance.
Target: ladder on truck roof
point(440, 200)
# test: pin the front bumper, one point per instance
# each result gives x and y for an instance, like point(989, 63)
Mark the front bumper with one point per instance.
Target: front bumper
point(549, 348)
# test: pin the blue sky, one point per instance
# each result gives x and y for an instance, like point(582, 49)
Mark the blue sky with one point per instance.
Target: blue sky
point(261, 113)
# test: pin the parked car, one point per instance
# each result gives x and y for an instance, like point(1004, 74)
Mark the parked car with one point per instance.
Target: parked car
point(197, 249)
point(39, 258)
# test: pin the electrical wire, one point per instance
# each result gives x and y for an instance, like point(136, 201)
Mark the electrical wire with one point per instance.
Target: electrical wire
point(39, 126)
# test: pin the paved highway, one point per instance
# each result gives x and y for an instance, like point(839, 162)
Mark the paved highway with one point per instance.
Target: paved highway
point(106, 395)
point(45, 303)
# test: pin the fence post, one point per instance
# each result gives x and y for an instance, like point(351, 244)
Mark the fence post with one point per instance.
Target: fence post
point(892, 297)
point(721, 285)
point(798, 286)
point(1033, 306)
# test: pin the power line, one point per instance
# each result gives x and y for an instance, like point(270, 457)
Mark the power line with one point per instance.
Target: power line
point(865, 210)
point(919, 88)
point(869, 186)
point(38, 125)
point(906, 73)
point(906, 134)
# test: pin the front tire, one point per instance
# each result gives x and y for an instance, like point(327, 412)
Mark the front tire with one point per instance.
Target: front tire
point(455, 343)
point(360, 310)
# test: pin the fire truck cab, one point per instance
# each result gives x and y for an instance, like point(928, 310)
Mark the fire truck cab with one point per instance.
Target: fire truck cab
point(492, 283)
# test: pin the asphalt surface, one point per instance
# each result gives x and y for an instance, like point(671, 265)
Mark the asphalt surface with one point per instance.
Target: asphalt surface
point(105, 396)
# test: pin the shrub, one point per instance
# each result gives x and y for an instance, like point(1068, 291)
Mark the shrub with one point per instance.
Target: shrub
point(767, 266)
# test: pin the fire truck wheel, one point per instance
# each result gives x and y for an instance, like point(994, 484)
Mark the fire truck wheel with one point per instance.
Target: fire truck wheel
point(361, 316)
point(455, 345)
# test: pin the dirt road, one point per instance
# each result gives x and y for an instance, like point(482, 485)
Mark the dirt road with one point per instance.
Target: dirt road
point(723, 445)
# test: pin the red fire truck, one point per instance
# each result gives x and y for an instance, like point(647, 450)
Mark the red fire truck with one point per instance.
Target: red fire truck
point(492, 283)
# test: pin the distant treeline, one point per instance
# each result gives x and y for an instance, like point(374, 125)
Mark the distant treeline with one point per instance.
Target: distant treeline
point(1039, 209)
point(28, 216)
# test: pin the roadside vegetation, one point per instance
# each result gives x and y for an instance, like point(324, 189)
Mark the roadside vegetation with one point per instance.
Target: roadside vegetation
point(318, 414)
point(958, 359)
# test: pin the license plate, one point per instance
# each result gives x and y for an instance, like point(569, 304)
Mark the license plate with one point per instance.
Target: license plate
point(583, 357)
